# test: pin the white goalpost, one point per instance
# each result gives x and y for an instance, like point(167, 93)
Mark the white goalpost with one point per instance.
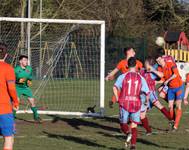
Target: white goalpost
point(68, 61)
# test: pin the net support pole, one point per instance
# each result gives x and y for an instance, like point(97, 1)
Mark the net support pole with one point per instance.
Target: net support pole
point(40, 36)
point(28, 33)
point(102, 68)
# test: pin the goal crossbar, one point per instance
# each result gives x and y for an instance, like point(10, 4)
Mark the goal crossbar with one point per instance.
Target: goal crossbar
point(11, 19)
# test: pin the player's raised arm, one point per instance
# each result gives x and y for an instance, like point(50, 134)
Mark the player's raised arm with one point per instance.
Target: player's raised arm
point(10, 79)
point(119, 67)
point(111, 75)
point(122, 65)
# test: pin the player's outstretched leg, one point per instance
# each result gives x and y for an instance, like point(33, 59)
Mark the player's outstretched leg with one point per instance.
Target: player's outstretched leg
point(163, 110)
point(34, 110)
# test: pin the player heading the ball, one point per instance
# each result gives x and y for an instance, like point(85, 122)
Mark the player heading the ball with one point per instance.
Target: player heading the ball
point(169, 71)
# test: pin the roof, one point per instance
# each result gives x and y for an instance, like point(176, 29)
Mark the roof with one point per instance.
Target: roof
point(172, 37)
point(176, 37)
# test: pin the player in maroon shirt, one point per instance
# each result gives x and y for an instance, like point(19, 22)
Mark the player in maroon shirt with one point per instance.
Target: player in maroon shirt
point(130, 84)
point(150, 74)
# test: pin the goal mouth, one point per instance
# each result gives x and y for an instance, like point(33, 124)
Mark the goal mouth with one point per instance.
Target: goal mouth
point(67, 58)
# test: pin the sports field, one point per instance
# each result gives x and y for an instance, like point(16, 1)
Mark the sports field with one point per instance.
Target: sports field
point(74, 133)
point(67, 95)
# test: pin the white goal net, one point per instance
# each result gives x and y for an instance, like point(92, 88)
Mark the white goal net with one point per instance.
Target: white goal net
point(67, 58)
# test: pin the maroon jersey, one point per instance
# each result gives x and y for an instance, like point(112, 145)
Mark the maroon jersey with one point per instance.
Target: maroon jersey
point(129, 97)
point(150, 81)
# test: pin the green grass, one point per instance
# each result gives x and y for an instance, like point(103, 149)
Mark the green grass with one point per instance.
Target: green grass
point(68, 133)
point(92, 134)
point(68, 95)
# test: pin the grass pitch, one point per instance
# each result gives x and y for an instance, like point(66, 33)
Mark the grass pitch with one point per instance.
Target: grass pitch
point(96, 134)
point(74, 133)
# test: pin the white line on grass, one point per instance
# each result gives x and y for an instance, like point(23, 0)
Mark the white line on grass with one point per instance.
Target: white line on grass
point(153, 114)
point(46, 136)
point(34, 120)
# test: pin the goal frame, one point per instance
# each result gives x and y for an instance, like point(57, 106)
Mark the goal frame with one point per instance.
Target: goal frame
point(102, 58)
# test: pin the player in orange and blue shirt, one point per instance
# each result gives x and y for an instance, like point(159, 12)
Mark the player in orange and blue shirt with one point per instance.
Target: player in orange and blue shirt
point(149, 74)
point(8, 100)
point(169, 71)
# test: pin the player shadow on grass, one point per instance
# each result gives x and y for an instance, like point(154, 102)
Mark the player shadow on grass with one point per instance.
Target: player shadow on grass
point(160, 129)
point(24, 120)
point(149, 143)
point(108, 119)
point(79, 140)
point(77, 122)
point(139, 140)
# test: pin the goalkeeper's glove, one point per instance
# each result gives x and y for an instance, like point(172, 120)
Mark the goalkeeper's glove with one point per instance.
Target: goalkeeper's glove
point(29, 83)
point(22, 80)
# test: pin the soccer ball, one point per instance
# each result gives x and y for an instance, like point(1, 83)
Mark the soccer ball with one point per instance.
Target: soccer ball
point(44, 77)
point(160, 41)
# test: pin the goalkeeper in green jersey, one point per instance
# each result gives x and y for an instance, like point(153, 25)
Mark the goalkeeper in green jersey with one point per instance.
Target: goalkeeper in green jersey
point(23, 74)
